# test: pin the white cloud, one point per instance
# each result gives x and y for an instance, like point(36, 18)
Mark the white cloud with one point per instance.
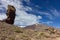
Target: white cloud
point(22, 18)
point(2, 16)
point(26, 19)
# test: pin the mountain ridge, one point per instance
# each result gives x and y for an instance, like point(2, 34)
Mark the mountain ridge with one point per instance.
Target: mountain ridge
point(12, 32)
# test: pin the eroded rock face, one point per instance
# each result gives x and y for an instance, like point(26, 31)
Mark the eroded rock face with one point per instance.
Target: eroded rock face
point(10, 15)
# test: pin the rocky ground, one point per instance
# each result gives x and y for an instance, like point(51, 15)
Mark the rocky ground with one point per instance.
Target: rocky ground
point(32, 32)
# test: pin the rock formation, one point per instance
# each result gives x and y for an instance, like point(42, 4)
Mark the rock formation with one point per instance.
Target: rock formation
point(10, 15)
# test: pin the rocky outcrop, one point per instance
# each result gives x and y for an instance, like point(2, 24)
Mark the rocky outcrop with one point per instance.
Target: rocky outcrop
point(10, 15)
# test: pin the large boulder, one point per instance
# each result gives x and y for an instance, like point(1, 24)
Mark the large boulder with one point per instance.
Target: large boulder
point(10, 15)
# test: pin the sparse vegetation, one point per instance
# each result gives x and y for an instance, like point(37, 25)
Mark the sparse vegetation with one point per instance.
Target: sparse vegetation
point(18, 30)
point(11, 32)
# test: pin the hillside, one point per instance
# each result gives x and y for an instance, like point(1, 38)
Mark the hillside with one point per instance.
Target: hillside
point(32, 32)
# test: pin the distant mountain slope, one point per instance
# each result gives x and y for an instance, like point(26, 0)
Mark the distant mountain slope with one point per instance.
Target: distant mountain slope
point(11, 32)
point(37, 27)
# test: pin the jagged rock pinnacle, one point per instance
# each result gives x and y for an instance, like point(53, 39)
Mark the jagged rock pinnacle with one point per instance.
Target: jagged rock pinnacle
point(10, 15)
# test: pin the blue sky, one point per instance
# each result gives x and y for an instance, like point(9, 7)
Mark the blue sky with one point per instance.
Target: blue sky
point(30, 12)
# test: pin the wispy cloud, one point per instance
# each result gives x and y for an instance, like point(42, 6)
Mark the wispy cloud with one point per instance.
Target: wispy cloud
point(51, 14)
point(28, 1)
point(22, 18)
point(55, 13)
point(48, 23)
point(46, 14)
